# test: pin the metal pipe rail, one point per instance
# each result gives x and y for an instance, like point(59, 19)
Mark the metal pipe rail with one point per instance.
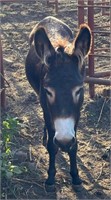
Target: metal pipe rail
point(98, 81)
point(94, 6)
point(94, 78)
point(2, 84)
point(53, 2)
point(4, 1)
point(99, 74)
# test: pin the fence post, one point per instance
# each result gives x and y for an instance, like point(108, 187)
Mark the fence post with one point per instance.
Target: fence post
point(2, 85)
point(80, 12)
point(56, 6)
point(91, 56)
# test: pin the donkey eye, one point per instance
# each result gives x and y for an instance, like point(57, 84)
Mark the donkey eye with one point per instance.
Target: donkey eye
point(48, 92)
point(78, 91)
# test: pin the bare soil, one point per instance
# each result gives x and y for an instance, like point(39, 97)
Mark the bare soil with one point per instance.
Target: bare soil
point(17, 20)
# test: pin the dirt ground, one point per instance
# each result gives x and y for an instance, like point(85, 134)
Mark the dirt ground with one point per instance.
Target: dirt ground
point(17, 20)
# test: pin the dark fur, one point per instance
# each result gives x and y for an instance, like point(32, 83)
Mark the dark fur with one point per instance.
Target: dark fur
point(55, 59)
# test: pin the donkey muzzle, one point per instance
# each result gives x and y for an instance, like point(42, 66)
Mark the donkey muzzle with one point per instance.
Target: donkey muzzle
point(65, 146)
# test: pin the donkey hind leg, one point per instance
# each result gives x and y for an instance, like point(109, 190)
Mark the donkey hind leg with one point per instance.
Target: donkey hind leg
point(73, 166)
point(52, 150)
point(45, 137)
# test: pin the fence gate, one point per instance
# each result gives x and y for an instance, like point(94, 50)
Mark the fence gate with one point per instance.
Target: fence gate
point(89, 7)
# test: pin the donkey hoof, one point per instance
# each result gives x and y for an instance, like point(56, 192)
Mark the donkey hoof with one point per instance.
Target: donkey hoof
point(50, 188)
point(77, 184)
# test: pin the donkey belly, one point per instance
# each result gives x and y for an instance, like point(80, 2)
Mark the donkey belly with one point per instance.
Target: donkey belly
point(32, 68)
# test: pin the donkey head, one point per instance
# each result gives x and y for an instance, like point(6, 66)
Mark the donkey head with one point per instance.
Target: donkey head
point(62, 82)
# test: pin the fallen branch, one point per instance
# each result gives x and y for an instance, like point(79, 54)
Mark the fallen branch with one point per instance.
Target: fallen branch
point(30, 153)
point(101, 111)
point(29, 182)
point(4, 79)
point(101, 171)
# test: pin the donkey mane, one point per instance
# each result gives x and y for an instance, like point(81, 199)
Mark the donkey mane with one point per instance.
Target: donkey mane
point(61, 42)
point(65, 43)
point(57, 42)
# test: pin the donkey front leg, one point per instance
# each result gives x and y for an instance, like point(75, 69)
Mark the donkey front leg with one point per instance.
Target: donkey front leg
point(73, 166)
point(52, 150)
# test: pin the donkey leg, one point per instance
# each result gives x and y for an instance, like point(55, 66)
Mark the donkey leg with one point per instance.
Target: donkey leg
point(73, 166)
point(45, 137)
point(52, 150)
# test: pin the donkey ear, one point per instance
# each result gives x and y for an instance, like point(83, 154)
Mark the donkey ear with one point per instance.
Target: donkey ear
point(43, 45)
point(83, 41)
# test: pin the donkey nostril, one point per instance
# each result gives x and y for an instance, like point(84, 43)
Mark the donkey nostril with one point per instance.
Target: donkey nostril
point(64, 144)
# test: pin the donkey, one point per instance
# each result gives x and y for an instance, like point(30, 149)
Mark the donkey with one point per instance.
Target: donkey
point(55, 70)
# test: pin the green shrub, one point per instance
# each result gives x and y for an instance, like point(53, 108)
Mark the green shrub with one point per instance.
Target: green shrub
point(10, 127)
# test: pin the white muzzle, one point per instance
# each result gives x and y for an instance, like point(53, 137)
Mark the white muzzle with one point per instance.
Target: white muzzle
point(64, 129)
